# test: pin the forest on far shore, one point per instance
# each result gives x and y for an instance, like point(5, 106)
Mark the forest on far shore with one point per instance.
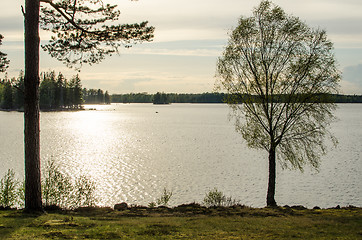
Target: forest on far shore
point(58, 93)
point(165, 98)
point(55, 93)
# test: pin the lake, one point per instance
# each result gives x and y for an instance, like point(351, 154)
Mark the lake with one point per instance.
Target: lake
point(133, 151)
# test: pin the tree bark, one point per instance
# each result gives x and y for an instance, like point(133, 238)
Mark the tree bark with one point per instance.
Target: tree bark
point(33, 201)
point(270, 199)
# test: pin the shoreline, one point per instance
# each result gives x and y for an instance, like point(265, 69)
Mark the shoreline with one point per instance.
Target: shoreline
point(191, 208)
point(185, 223)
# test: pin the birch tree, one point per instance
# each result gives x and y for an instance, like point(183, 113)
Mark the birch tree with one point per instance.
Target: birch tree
point(281, 71)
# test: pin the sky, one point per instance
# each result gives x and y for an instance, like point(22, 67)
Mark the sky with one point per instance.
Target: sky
point(190, 35)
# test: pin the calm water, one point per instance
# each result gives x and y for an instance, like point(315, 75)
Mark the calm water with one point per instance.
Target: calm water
point(133, 151)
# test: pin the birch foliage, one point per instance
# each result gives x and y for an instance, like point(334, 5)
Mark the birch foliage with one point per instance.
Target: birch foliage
point(282, 71)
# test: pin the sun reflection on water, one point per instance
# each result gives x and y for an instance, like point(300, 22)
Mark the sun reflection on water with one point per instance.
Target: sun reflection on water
point(132, 153)
point(102, 150)
point(99, 145)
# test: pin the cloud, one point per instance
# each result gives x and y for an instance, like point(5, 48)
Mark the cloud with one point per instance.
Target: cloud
point(341, 25)
point(129, 85)
point(353, 74)
point(189, 37)
point(196, 48)
point(352, 79)
point(13, 23)
point(321, 9)
point(179, 52)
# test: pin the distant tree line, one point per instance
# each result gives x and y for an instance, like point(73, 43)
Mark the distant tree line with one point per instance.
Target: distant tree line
point(12, 92)
point(161, 98)
point(96, 96)
point(347, 98)
point(56, 93)
point(297, 98)
point(168, 98)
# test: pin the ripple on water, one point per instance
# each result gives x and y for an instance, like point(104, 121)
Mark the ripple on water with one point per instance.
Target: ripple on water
point(132, 154)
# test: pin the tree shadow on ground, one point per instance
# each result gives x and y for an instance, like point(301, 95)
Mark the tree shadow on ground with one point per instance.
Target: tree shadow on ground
point(12, 221)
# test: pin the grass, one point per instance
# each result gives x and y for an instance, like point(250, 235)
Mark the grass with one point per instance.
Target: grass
point(185, 222)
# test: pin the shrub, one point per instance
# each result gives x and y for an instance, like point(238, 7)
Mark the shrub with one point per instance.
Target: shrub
point(84, 192)
point(152, 205)
point(21, 195)
point(164, 198)
point(216, 198)
point(56, 187)
point(8, 190)
point(59, 190)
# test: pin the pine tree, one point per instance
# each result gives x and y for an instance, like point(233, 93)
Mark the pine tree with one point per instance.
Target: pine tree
point(77, 92)
point(4, 62)
point(81, 35)
point(107, 98)
point(7, 101)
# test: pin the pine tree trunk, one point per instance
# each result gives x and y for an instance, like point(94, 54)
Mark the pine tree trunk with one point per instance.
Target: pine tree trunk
point(270, 199)
point(33, 200)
